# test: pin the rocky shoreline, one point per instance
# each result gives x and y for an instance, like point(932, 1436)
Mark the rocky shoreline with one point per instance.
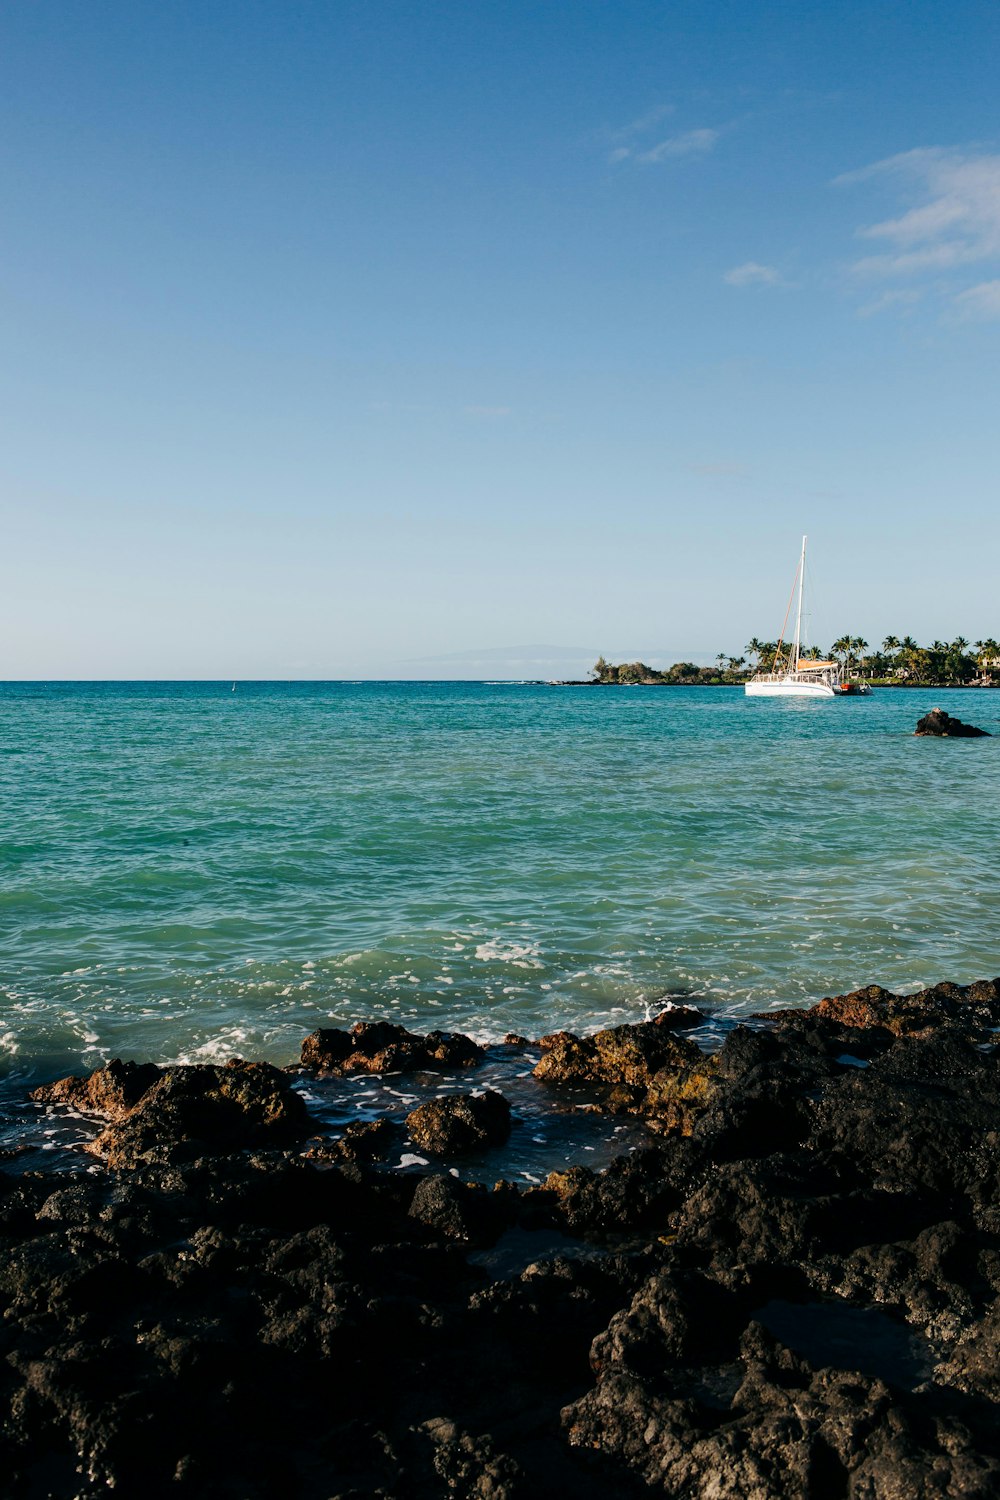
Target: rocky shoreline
point(792, 1287)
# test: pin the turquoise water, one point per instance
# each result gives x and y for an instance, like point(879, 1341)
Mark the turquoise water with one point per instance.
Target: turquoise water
point(189, 872)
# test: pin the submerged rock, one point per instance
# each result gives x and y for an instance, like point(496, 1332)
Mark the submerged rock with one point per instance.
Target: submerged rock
point(937, 722)
point(381, 1047)
point(459, 1123)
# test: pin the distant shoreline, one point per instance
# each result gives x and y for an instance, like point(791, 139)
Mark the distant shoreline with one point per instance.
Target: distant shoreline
point(944, 687)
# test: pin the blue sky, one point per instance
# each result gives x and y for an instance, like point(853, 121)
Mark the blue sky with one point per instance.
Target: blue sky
point(394, 340)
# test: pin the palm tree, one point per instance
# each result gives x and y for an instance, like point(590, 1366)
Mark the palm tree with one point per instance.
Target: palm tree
point(959, 666)
point(890, 645)
point(754, 648)
point(735, 662)
point(859, 645)
point(906, 658)
point(841, 646)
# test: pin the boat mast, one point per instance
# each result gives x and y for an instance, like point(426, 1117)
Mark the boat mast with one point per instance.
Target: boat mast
point(798, 616)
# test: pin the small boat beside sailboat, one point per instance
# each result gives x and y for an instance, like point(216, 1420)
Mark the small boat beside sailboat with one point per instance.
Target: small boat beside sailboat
point(793, 674)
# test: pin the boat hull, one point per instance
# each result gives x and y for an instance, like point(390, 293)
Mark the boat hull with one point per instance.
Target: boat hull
point(789, 690)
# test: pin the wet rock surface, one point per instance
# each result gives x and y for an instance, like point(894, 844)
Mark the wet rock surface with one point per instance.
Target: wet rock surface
point(382, 1047)
point(167, 1114)
point(460, 1123)
point(642, 1069)
point(793, 1290)
point(941, 724)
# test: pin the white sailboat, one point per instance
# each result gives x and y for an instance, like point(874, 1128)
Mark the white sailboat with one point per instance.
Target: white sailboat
point(793, 675)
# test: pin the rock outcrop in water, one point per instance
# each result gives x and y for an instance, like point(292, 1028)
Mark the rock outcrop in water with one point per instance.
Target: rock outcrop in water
point(460, 1123)
point(381, 1047)
point(794, 1290)
point(938, 723)
point(164, 1114)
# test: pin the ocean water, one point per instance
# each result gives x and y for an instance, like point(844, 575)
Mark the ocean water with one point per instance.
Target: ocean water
point(188, 872)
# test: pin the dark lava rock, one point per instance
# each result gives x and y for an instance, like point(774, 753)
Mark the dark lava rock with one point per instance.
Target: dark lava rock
point(643, 1068)
point(793, 1291)
point(111, 1091)
point(381, 1047)
point(459, 1123)
point(764, 1422)
point(184, 1110)
point(363, 1140)
point(635, 1191)
point(937, 722)
point(679, 1017)
point(462, 1210)
point(865, 1021)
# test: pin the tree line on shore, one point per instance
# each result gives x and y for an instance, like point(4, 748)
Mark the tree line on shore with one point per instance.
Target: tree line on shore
point(898, 661)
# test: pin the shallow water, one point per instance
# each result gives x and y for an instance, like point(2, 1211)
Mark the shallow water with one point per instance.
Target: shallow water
point(550, 1128)
point(868, 1339)
point(189, 872)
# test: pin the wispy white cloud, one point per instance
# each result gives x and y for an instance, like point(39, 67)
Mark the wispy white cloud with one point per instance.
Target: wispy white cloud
point(632, 142)
point(624, 141)
point(643, 123)
point(688, 143)
point(981, 302)
point(899, 298)
point(751, 273)
point(952, 221)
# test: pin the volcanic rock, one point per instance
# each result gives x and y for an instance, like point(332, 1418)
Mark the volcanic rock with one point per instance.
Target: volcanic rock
point(461, 1210)
point(866, 1020)
point(795, 1290)
point(459, 1123)
point(381, 1047)
point(937, 722)
point(184, 1110)
point(110, 1091)
point(362, 1141)
point(679, 1017)
point(637, 1068)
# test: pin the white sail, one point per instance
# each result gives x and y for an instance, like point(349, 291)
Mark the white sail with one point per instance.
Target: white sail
point(799, 679)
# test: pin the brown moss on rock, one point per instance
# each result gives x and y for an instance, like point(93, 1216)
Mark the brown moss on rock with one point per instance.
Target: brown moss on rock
point(460, 1123)
point(362, 1141)
point(675, 1099)
point(642, 1069)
